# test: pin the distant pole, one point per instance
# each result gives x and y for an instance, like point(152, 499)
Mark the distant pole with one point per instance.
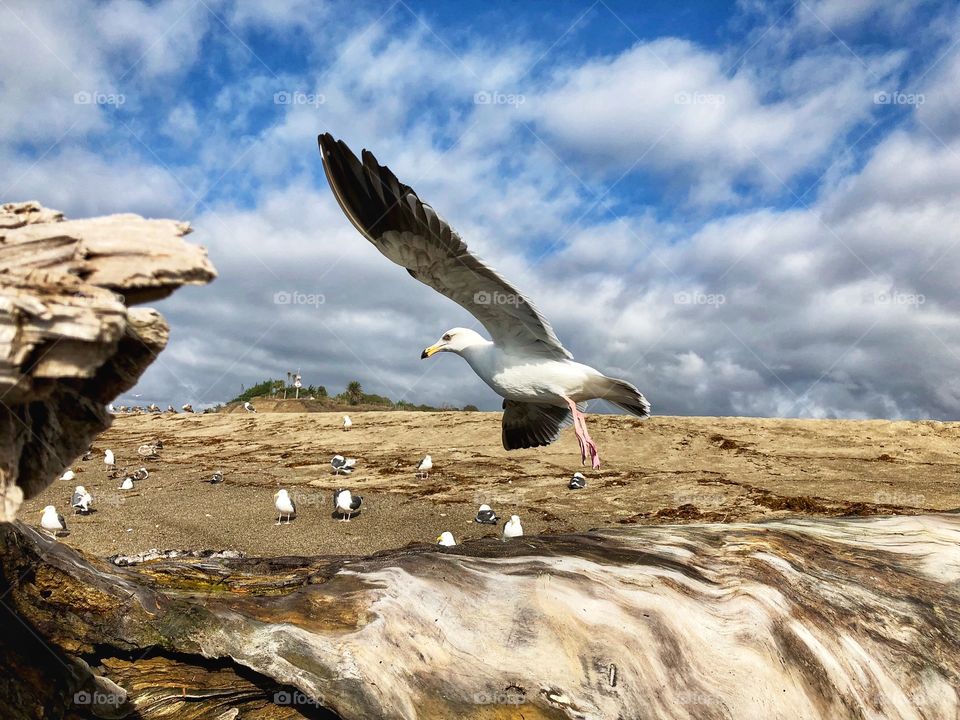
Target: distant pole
point(296, 383)
point(285, 386)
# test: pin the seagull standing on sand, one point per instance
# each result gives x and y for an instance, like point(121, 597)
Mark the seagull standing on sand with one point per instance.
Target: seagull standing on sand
point(347, 422)
point(248, 407)
point(524, 362)
point(81, 500)
point(424, 468)
point(52, 521)
point(108, 459)
point(486, 516)
point(346, 504)
point(446, 539)
point(512, 528)
point(577, 482)
point(340, 464)
point(284, 504)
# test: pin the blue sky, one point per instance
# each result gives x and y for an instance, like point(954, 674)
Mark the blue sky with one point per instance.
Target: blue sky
point(744, 208)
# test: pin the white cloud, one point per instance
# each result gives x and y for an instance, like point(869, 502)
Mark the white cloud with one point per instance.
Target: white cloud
point(811, 310)
point(673, 109)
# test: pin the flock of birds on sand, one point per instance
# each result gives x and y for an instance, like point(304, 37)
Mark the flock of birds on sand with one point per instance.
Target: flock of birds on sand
point(346, 505)
point(524, 361)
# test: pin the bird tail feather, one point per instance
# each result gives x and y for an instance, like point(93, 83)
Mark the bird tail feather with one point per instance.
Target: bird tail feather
point(624, 395)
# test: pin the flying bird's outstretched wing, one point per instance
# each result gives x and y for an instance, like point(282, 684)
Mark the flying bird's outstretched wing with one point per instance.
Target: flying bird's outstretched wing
point(411, 234)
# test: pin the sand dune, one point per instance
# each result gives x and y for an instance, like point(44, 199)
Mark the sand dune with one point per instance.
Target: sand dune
point(666, 469)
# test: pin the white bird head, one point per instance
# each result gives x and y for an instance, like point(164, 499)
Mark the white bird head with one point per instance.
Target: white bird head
point(446, 539)
point(455, 340)
point(80, 489)
point(281, 493)
point(50, 510)
point(515, 519)
point(484, 507)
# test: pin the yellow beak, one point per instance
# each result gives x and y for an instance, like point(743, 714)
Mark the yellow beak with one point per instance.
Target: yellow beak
point(433, 349)
point(439, 538)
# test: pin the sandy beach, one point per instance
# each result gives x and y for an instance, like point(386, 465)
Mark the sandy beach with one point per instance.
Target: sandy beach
point(662, 470)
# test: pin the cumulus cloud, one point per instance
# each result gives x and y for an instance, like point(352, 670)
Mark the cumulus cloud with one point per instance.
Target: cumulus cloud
point(739, 228)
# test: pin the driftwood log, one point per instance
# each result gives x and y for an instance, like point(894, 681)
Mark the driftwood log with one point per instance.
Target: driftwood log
point(812, 618)
point(69, 340)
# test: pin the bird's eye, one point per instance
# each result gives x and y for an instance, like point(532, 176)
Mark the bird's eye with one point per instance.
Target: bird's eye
point(446, 338)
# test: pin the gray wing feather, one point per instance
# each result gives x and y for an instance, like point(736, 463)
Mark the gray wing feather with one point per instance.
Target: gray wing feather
point(410, 233)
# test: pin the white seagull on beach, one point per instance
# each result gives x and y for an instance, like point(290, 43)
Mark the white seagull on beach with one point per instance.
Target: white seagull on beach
point(577, 482)
point(446, 539)
point(486, 516)
point(68, 475)
point(108, 459)
point(512, 527)
point(340, 464)
point(524, 362)
point(285, 505)
point(52, 521)
point(346, 504)
point(216, 478)
point(249, 408)
point(81, 500)
point(127, 484)
point(347, 422)
point(424, 468)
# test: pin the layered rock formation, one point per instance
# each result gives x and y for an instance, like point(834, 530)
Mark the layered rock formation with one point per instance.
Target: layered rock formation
point(69, 339)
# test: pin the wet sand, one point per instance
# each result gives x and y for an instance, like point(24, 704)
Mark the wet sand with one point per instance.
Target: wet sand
point(662, 470)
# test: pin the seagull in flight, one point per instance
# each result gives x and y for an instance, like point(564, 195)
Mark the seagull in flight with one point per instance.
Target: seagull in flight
point(524, 361)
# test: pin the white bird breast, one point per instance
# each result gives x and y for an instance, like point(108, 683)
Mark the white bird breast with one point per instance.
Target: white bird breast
point(283, 503)
point(344, 500)
point(523, 377)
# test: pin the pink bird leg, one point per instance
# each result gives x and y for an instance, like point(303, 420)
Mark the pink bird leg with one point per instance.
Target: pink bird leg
point(583, 437)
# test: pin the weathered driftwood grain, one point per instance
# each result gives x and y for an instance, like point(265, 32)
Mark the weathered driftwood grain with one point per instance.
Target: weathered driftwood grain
point(69, 342)
point(814, 618)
